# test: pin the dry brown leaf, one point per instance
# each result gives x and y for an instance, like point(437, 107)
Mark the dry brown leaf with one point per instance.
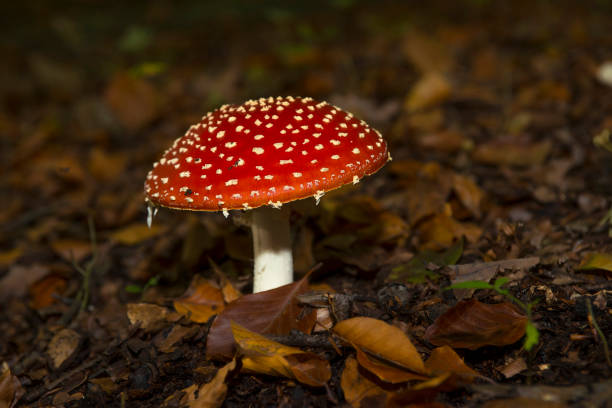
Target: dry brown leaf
point(444, 360)
point(426, 53)
point(105, 383)
point(105, 166)
point(596, 261)
point(514, 153)
point(448, 141)
point(10, 387)
point(8, 257)
point(44, 292)
point(384, 371)
point(135, 233)
point(273, 311)
point(382, 340)
point(441, 230)
point(133, 100)
point(265, 356)
point(523, 402)
point(62, 346)
point(148, 316)
point(468, 192)
point(472, 324)
point(212, 394)
point(167, 344)
point(201, 301)
point(71, 249)
point(358, 389)
point(18, 279)
point(431, 90)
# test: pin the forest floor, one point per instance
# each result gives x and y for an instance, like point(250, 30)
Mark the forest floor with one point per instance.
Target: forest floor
point(498, 117)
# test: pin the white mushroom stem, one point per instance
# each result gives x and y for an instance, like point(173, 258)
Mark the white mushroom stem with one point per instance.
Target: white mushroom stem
point(271, 248)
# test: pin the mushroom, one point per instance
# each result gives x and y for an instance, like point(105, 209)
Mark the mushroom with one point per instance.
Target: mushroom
point(258, 156)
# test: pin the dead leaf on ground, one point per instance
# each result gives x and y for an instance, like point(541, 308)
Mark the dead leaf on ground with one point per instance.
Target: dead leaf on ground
point(265, 356)
point(202, 300)
point(468, 193)
point(471, 324)
point(136, 233)
point(62, 346)
point(44, 292)
point(11, 390)
point(444, 360)
point(71, 249)
point(358, 390)
point(431, 90)
point(107, 166)
point(133, 100)
point(441, 230)
point(515, 153)
point(426, 53)
point(212, 394)
point(523, 402)
point(168, 343)
point(384, 371)
point(148, 316)
point(275, 311)
point(382, 340)
point(10, 256)
point(18, 279)
point(596, 261)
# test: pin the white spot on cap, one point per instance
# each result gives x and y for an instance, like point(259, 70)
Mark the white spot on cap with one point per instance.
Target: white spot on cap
point(335, 157)
point(220, 134)
point(258, 150)
point(231, 119)
point(355, 179)
point(164, 180)
point(324, 169)
point(282, 162)
point(258, 137)
point(356, 151)
point(278, 145)
point(297, 174)
point(268, 177)
point(229, 145)
point(334, 142)
point(319, 147)
point(257, 122)
point(184, 174)
point(231, 182)
point(239, 128)
point(206, 166)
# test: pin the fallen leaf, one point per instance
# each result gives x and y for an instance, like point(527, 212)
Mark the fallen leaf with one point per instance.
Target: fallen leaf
point(18, 279)
point(471, 324)
point(136, 233)
point(596, 261)
point(523, 402)
point(71, 249)
point(468, 193)
point(431, 90)
point(273, 311)
point(523, 154)
point(11, 390)
point(265, 356)
point(44, 292)
point(106, 166)
point(148, 316)
point(382, 340)
point(167, 344)
point(133, 100)
point(105, 383)
point(384, 371)
point(357, 388)
point(212, 394)
point(201, 301)
point(444, 360)
point(62, 346)
point(426, 53)
point(10, 256)
point(441, 230)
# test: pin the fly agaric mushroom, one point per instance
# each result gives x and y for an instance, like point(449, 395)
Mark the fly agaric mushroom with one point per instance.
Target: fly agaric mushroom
point(258, 156)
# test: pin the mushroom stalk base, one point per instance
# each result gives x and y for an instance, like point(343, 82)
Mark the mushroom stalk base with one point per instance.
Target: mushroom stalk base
point(271, 248)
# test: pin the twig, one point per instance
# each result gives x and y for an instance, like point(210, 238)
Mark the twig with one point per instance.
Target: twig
point(600, 333)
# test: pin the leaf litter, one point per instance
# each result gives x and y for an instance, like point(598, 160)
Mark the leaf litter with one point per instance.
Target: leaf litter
point(500, 140)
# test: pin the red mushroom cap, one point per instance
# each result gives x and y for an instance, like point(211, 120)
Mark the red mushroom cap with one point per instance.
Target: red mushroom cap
point(266, 151)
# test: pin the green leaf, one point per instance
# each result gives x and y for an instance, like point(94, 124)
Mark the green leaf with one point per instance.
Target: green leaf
point(499, 282)
point(416, 270)
point(532, 336)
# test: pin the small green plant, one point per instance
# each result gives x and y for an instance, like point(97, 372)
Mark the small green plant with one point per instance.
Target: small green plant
point(532, 335)
point(154, 281)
